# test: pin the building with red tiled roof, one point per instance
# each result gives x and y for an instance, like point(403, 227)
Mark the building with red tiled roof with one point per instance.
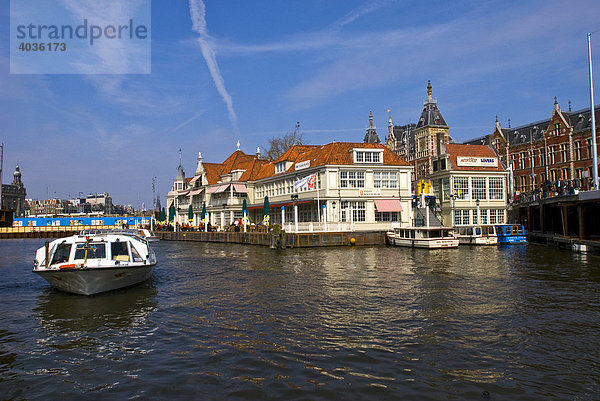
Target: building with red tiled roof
point(337, 186)
point(470, 185)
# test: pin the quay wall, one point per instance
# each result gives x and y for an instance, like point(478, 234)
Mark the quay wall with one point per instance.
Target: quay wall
point(45, 231)
point(283, 240)
point(280, 240)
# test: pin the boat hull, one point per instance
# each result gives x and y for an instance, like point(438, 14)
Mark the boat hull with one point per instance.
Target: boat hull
point(467, 240)
point(96, 280)
point(513, 239)
point(425, 243)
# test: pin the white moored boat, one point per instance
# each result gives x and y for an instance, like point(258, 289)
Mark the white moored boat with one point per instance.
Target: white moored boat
point(423, 237)
point(477, 235)
point(95, 261)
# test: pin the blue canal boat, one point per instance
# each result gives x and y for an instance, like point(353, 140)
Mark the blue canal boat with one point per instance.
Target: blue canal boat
point(511, 234)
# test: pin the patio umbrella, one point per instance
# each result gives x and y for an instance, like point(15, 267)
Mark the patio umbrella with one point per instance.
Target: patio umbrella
point(203, 216)
point(190, 213)
point(162, 216)
point(171, 213)
point(266, 211)
point(245, 212)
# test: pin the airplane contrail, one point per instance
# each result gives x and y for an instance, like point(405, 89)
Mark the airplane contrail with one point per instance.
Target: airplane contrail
point(198, 16)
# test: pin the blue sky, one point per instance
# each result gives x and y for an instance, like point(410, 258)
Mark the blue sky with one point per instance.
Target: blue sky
point(224, 71)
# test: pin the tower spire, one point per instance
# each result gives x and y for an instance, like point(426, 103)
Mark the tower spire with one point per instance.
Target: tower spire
point(370, 118)
point(429, 89)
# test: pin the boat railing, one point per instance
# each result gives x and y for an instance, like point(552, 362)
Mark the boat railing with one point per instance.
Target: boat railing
point(123, 231)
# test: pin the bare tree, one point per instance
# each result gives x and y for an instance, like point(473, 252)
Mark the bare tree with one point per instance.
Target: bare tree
point(278, 145)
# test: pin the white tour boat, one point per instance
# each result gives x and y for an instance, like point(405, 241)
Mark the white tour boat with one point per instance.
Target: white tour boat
point(423, 237)
point(95, 261)
point(477, 235)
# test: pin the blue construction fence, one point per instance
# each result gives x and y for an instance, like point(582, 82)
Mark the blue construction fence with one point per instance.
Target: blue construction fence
point(116, 221)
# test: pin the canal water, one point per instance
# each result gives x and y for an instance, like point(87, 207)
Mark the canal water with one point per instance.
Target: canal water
point(222, 321)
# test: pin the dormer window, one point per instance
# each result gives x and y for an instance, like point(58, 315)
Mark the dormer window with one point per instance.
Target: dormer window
point(557, 129)
point(368, 156)
point(280, 167)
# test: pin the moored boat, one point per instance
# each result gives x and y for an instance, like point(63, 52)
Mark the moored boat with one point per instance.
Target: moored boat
point(511, 234)
point(90, 263)
point(477, 235)
point(423, 237)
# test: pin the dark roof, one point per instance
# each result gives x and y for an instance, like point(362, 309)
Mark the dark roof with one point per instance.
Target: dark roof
point(431, 115)
point(580, 121)
point(371, 136)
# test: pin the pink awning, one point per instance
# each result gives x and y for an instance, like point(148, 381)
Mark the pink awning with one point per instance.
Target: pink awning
point(240, 188)
point(388, 205)
point(195, 179)
point(218, 189)
point(182, 193)
point(196, 191)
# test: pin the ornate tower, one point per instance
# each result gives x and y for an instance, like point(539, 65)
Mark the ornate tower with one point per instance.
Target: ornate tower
point(431, 135)
point(371, 135)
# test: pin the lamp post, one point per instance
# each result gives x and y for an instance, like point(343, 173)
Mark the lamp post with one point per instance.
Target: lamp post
point(294, 199)
point(453, 200)
point(477, 203)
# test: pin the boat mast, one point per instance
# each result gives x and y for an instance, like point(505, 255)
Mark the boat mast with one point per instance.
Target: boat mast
point(593, 115)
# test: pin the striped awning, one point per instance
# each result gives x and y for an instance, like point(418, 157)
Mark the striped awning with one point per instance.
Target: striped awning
point(217, 189)
point(240, 188)
point(196, 177)
point(182, 193)
point(388, 205)
point(196, 191)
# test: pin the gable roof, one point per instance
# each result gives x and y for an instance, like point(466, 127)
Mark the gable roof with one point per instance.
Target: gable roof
point(454, 150)
point(335, 153)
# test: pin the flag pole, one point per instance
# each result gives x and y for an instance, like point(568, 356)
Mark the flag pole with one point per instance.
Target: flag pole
point(318, 203)
point(593, 115)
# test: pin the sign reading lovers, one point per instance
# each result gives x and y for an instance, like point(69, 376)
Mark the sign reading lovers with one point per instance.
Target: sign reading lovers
point(462, 161)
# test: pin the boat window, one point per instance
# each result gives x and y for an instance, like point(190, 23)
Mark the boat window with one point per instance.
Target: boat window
point(492, 230)
point(470, 231)
point(514, 230)
point(90, 250)
point(135, 255)
point(412, 234)
point(520, 229)
point(484, 230)
point(478, 231)
point(62, 253)
point(119, 251)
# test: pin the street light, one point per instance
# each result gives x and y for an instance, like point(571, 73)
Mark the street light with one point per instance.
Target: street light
point(294, 198)
point(453, 199)
point(477, 203)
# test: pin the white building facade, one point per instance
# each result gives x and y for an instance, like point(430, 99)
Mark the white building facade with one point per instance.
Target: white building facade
point(335, 187)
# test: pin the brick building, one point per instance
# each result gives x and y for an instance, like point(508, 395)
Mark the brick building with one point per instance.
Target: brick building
point(550, 153)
